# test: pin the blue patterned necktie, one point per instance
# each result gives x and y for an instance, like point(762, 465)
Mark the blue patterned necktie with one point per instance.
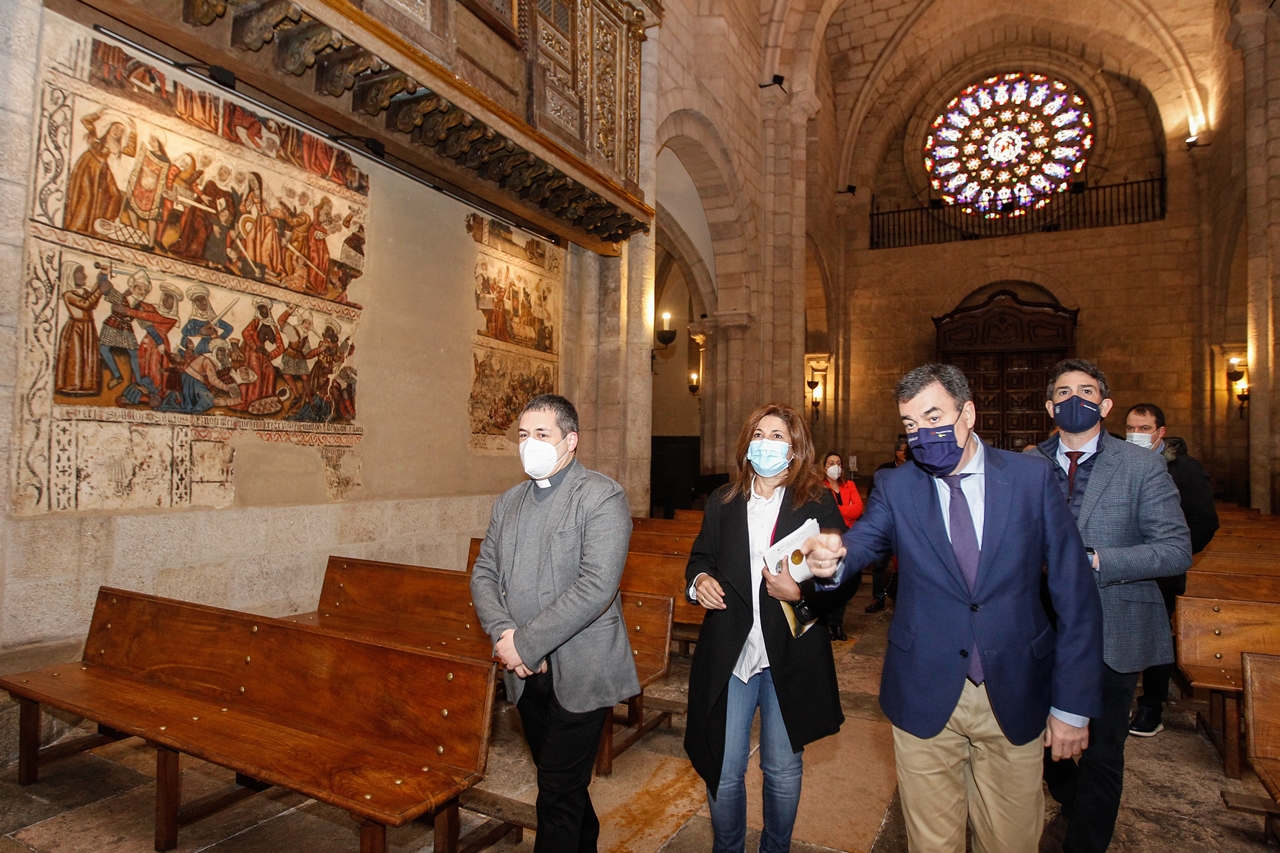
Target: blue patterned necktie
point(964, 541)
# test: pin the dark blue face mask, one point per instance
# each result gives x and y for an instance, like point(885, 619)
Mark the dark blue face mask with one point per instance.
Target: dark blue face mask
point(1076, 414)
point(935, 450)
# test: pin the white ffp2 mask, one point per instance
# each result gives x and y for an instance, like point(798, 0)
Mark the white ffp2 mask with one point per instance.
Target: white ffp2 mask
point(539, 457)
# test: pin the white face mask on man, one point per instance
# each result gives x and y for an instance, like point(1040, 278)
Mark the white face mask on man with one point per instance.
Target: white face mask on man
point(539, 457)
point(1141, 439)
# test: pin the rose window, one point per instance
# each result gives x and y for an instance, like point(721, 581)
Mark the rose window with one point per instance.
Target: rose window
point(1004, 146)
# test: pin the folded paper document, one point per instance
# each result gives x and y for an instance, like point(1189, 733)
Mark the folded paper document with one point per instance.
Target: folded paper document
point(786, 554)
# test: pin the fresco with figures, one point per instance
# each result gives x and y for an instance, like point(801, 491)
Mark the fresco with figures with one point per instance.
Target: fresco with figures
point(192, 270)
point(515, 346)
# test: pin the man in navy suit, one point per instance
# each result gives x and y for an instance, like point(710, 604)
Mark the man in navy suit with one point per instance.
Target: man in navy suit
point(976, 681)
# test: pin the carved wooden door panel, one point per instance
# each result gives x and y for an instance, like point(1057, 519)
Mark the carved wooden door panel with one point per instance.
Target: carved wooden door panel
point(1006, 347)
point(1008, 391)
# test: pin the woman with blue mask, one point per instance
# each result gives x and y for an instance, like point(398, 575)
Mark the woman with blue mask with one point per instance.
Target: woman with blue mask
point(749, 656)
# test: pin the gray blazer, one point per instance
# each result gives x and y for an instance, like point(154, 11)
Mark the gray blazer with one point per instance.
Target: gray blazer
point(579, 624)
point(1132, 516)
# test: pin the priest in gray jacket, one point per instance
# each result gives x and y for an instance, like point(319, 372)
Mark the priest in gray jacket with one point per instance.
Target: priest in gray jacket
point(545, 586)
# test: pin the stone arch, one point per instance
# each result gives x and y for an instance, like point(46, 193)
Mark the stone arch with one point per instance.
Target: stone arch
point(917, 83)
point(818, 300)
point(672, 237)
point(694, 139)
point(1160, 65)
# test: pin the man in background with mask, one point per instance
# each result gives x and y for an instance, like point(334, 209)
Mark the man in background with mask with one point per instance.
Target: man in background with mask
point(545, 586)
point(1127, 509)
point(976, 682)
point(1144, 426)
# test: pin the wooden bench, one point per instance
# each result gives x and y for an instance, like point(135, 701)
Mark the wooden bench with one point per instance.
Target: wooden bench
point(1246, 545)
point(662, 542)
point(1233, 585)
point(1262, 738)
point(431, 608)
point(667, 525)
point(689, 515)
point(1237, 563)
point(387, 734)
point(1212, 633)
point(663, 574)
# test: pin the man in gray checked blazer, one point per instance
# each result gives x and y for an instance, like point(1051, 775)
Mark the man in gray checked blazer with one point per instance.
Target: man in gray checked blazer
point(545, 586)
point(1130, 518)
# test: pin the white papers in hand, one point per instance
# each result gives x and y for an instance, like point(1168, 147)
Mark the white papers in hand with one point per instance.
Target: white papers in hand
point(785, 553)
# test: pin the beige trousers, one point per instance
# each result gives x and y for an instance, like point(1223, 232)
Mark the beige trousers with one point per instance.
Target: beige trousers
point(970, 772)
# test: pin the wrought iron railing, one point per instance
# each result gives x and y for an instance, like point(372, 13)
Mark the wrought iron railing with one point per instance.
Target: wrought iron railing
point(1096, 207)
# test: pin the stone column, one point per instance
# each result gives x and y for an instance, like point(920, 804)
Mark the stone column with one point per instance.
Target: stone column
point(781, 315)
point(1250, 33)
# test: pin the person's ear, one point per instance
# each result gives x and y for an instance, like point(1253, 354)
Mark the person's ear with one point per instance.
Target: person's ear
point(1105, 407)
point(970, 414)
point(1048, 407)
point(573, 442)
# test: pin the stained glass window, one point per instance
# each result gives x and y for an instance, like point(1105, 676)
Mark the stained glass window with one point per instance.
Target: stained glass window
point(1004, 146)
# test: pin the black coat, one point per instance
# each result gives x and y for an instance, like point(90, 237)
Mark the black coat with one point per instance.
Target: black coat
point(804, 673)
point(1197, 499)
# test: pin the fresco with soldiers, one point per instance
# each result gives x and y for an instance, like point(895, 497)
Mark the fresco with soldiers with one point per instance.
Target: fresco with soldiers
point(192, 271)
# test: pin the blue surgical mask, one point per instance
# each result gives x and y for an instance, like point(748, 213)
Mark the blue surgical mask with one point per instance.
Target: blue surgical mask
point(935, 450)
point(769, 457)
point(1076, 414)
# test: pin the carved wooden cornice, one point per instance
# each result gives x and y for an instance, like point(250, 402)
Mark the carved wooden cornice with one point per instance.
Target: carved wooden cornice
point(311, 53)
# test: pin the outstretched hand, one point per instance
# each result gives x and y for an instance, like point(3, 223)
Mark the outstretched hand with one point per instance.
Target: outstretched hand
point(823, 553)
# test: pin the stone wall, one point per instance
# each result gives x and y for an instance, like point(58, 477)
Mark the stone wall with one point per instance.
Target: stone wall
point(413, 490)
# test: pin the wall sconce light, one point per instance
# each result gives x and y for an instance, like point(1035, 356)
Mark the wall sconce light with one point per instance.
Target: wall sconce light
point(1236, 374)
point(816, 393)
point(666, 335)
point(694, 383)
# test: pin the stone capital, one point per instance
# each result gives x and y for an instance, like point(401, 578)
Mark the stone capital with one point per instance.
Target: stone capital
point(732, 319)
point(1248, 30)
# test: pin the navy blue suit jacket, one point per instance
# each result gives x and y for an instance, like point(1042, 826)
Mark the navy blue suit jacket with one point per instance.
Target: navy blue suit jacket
point(1028, 665)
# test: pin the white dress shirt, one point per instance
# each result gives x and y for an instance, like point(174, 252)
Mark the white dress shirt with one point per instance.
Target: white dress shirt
point(762, 519)
point(1089, 448)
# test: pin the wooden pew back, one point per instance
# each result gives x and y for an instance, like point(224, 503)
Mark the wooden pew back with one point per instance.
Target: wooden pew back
point(1212, 633)
point(689, 515)
point(662, 542)
point(662, 574)
point(400, 596)
point(1247, 546)
point(1233, 585)
point(678, 526)
point(309, 679)
point(1241, 564)
point(648, 620)
point(1262, 705)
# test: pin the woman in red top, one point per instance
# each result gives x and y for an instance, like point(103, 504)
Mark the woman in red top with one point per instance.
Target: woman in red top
point(850, 504)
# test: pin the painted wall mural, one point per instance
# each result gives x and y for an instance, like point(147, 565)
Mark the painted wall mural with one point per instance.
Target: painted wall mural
point(189, 268)
point(516, 344)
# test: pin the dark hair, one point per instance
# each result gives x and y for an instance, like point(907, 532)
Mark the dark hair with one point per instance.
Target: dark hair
point(950, 377)
point(566, 414)
point(1069, 365)
point(1150, 410)
point(803, 481)
point(830, 453)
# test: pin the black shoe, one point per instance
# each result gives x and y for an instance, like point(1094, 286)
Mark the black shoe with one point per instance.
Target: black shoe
point(1146, 723)
point(875, 606)
point(837, 633)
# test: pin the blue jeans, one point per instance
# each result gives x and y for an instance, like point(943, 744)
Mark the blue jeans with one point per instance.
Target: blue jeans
point(782, 770)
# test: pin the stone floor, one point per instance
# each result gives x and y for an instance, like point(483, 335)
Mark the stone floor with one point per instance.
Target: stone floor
point(104, 801)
